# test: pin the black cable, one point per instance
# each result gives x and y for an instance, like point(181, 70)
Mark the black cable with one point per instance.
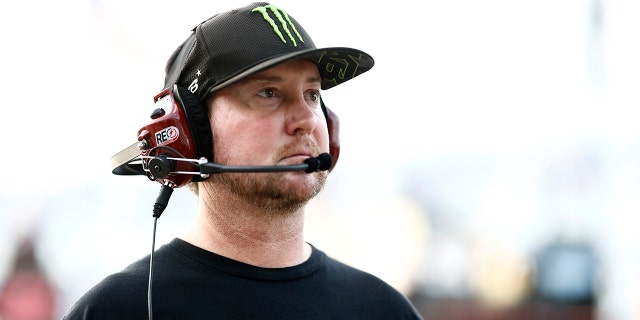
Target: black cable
point(163, 200)
point(168, 148)
point(161, 203)
point(149, 290)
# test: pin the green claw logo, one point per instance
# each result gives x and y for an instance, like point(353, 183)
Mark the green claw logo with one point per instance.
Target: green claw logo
point(283, 20)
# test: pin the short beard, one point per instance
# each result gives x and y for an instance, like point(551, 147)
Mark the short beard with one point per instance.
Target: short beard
point(269, 191)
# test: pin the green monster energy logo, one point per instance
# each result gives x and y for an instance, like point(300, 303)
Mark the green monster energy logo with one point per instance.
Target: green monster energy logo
point(283, 19)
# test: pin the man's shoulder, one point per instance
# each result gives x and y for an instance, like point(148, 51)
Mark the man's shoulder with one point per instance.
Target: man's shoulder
point(372, 293)
point(356, 278)
point(341, 269)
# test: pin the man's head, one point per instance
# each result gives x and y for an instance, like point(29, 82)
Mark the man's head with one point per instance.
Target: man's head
point(233, 46)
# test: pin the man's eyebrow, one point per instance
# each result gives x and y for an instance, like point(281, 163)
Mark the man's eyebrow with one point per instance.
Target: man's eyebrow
point(315, 79)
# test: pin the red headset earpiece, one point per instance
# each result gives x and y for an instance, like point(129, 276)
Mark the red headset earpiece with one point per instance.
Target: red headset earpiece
point(169, 135)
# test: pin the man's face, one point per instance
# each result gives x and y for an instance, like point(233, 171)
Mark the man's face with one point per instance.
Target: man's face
point(271, 118)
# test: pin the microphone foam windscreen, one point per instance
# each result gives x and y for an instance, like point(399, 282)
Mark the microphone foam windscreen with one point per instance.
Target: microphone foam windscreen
point(325, 160)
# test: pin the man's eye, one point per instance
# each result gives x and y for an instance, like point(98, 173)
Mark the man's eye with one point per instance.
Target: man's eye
point(267, 93)
point(313, 96)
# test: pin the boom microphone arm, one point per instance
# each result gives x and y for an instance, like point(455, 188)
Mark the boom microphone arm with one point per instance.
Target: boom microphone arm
point(321, 163)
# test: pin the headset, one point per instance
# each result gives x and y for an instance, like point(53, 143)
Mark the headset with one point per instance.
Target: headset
point(176, 146)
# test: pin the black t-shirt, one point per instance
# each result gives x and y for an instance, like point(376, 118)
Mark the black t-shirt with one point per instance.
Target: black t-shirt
point(192, 283)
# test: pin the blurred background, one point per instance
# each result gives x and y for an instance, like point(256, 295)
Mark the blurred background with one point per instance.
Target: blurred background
point(490, 164)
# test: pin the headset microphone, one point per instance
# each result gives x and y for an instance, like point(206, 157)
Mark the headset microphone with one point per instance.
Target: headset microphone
point(321, 163)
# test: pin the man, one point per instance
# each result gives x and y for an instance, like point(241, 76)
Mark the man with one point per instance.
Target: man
point(258, 76)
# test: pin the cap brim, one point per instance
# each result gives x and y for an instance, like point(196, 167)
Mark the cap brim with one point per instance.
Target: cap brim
point(336, 65)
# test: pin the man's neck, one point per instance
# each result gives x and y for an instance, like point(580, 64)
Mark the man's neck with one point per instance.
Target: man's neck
point(248, 234)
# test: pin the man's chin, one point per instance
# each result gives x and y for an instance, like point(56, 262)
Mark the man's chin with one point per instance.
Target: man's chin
point(276, 191)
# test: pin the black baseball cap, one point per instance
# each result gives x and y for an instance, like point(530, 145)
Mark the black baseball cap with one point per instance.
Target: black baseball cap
point(235, 44)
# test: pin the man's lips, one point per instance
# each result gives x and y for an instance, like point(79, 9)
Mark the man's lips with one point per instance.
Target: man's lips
point(297, 158)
